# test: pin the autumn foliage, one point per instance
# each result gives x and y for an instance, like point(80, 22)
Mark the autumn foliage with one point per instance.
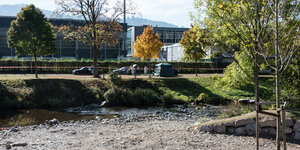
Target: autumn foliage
point(147, 46)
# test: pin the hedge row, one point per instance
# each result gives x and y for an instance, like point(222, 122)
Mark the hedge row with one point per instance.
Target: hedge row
point(104, 66)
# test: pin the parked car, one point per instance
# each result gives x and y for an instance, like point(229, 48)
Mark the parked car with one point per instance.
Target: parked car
point(165, 70)
point(122, 70)
point(83, 71)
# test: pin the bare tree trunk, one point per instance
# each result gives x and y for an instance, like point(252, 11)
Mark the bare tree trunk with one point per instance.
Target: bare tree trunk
point(35, 61)
point(256, 91)
point(277, 77)
point(95, 63)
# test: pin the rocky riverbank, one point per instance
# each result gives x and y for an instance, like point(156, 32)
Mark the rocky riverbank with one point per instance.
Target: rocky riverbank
point(159, 130)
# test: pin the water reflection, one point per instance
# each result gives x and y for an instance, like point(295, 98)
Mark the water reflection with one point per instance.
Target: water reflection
point(10, 118)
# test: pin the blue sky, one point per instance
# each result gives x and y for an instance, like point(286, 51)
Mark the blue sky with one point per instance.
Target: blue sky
point(171, 11)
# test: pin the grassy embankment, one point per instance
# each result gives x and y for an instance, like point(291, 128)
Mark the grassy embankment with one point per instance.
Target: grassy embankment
point(45, 93)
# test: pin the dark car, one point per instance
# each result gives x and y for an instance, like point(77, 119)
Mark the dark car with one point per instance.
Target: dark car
point(83, 71)
point(122, 70)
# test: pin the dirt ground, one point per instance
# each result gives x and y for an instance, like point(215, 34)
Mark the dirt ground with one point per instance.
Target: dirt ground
point(140, 135)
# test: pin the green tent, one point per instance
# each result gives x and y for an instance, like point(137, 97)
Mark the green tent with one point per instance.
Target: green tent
point(164, 70)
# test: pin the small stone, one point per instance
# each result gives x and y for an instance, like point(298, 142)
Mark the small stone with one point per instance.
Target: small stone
point(244, 122)
point(53, 121)
point(240, 131)
point(8, 146)
point(14, 129)
point(19, 144)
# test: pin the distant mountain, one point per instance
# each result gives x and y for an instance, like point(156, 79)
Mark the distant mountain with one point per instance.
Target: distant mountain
point(136, 21)
point(13, 10)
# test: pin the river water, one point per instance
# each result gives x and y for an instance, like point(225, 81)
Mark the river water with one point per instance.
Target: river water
point(25, 117)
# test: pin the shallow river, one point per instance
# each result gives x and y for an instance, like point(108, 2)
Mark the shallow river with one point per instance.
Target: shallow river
point(9, 118)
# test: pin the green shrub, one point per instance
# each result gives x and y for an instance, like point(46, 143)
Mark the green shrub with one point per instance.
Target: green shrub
point(115, 79)
point(117, 96)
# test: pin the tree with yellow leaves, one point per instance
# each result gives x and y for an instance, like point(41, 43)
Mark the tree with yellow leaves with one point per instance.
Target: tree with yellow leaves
point(147, 45)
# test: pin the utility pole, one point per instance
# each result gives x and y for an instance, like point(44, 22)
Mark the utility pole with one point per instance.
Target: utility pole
point(124, 33)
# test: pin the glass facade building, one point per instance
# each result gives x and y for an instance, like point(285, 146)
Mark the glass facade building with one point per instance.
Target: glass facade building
point(66, 48)
point(167, 35)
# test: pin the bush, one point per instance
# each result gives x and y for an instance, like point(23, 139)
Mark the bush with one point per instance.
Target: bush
point(117, 96)
point(115, 79)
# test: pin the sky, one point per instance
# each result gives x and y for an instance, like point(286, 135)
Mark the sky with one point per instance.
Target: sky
point(171, 11)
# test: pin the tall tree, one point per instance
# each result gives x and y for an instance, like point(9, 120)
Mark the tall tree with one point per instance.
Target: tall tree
point(101, 23)
point(250, 24)
point(194, 42)
point(148, 45)
point(32, 34)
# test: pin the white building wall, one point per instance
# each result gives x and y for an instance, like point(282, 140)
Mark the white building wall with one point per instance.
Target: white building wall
point(174, 52)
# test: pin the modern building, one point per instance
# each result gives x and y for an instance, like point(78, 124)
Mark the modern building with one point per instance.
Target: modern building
point(167, 35)
point(172, 52)
point(66, 48)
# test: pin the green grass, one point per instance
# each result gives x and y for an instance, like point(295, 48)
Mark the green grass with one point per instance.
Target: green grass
point(189, 89)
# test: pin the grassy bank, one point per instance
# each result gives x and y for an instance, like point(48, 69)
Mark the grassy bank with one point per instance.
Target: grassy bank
point(45, 93)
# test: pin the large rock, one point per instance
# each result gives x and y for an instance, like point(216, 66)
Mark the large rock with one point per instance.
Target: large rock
point(251, 129)
point(244, 122)
point(229, 124)
point(267, 123)
point(230, 130)
point(297, 126)
point(219, 128)
point(240, 131)
point(206, 128)
point(289, 122)
point(297, 136)
point(269, 131)
point(288, 130)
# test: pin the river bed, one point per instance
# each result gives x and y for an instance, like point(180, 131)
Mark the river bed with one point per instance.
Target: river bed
point(25, 117)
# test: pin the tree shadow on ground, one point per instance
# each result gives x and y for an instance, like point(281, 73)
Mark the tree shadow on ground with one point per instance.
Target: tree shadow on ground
point(190, 88)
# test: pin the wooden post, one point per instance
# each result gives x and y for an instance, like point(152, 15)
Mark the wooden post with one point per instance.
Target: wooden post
point(283, 126)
